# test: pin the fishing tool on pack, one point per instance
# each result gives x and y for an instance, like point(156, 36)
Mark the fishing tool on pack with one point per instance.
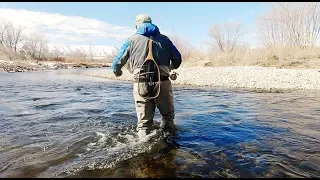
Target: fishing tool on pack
point(149, 76)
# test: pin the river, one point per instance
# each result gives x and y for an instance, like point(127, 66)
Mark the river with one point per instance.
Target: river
point(63, 123)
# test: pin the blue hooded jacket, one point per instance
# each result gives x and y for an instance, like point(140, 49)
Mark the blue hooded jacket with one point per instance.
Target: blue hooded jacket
point(135, 49)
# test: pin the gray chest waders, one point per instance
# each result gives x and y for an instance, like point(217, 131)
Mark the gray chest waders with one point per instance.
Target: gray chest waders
point(149, 76)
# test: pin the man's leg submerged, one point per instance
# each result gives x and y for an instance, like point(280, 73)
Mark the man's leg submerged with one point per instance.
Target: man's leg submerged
point(165, 105)
point(145, 112)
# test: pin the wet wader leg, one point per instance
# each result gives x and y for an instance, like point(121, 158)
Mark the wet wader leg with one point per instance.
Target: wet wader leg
point(145, 110)
point(165, 104)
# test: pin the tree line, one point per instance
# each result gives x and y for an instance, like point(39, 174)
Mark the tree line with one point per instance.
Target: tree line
point(14, 41)
point(285, 24)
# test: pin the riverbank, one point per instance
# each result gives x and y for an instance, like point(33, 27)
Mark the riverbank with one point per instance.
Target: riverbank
point(249, 77)
point(33, 65)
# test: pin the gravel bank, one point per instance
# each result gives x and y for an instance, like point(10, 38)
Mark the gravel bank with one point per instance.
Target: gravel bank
point(252, 77)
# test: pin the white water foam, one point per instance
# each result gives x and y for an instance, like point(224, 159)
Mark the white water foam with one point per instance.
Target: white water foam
point(100, 155)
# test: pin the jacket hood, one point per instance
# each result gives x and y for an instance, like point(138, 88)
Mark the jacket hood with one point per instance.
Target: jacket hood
point(148, 29)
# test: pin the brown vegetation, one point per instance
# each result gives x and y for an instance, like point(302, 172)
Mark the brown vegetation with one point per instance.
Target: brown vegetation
point(17, 45)
point(287, 34)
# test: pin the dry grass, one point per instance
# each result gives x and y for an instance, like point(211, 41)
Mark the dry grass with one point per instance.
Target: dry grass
point(280, 57)
point(87, 61)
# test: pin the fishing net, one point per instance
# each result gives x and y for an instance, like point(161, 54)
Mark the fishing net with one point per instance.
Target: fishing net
point(149, 77)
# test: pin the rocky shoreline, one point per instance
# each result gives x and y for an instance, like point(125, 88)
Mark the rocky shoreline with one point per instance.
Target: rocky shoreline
point(26, 66)
point(269, 79)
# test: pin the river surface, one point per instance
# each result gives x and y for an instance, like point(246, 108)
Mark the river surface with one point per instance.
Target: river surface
point(63, 123)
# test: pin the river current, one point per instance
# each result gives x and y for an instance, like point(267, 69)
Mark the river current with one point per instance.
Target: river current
point(63, 123)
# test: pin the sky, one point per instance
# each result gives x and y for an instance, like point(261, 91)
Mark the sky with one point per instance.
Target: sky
point(93, 23)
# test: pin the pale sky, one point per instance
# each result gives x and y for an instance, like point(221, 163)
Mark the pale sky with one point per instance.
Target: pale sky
point(93, 23)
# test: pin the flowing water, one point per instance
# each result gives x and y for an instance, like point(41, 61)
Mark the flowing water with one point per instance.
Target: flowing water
point(66, 124)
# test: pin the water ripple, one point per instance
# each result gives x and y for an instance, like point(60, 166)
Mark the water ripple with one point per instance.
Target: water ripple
point(65, 124)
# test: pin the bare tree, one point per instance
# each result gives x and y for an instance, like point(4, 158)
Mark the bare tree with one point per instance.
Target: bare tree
point(187, 50)
point(4, 25)
point(290, 24)
point(91, 51)
point(113, 53)
point(226, 36)
point(35, 45)
point(56, 53)
point(13, 36)
point(109, 56)
point(105, 53)
point(270, 33)
point(81, 53)
point(76, 53)
point(10, 36)
point(69, 50)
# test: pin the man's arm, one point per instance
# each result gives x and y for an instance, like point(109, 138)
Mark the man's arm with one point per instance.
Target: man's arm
point(175, 57)
point(121, 58)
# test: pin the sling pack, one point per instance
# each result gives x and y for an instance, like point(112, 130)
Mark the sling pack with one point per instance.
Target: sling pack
point(149, 76)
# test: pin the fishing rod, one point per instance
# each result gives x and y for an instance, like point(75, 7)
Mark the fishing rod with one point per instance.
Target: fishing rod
point(173, 75)
point(91, 28)
point(104, 34)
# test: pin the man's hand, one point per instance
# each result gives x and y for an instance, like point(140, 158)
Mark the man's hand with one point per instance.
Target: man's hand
point(173, 75)
point(119, 73)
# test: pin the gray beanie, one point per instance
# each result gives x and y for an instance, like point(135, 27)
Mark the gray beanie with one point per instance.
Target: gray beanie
point(143, 18)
